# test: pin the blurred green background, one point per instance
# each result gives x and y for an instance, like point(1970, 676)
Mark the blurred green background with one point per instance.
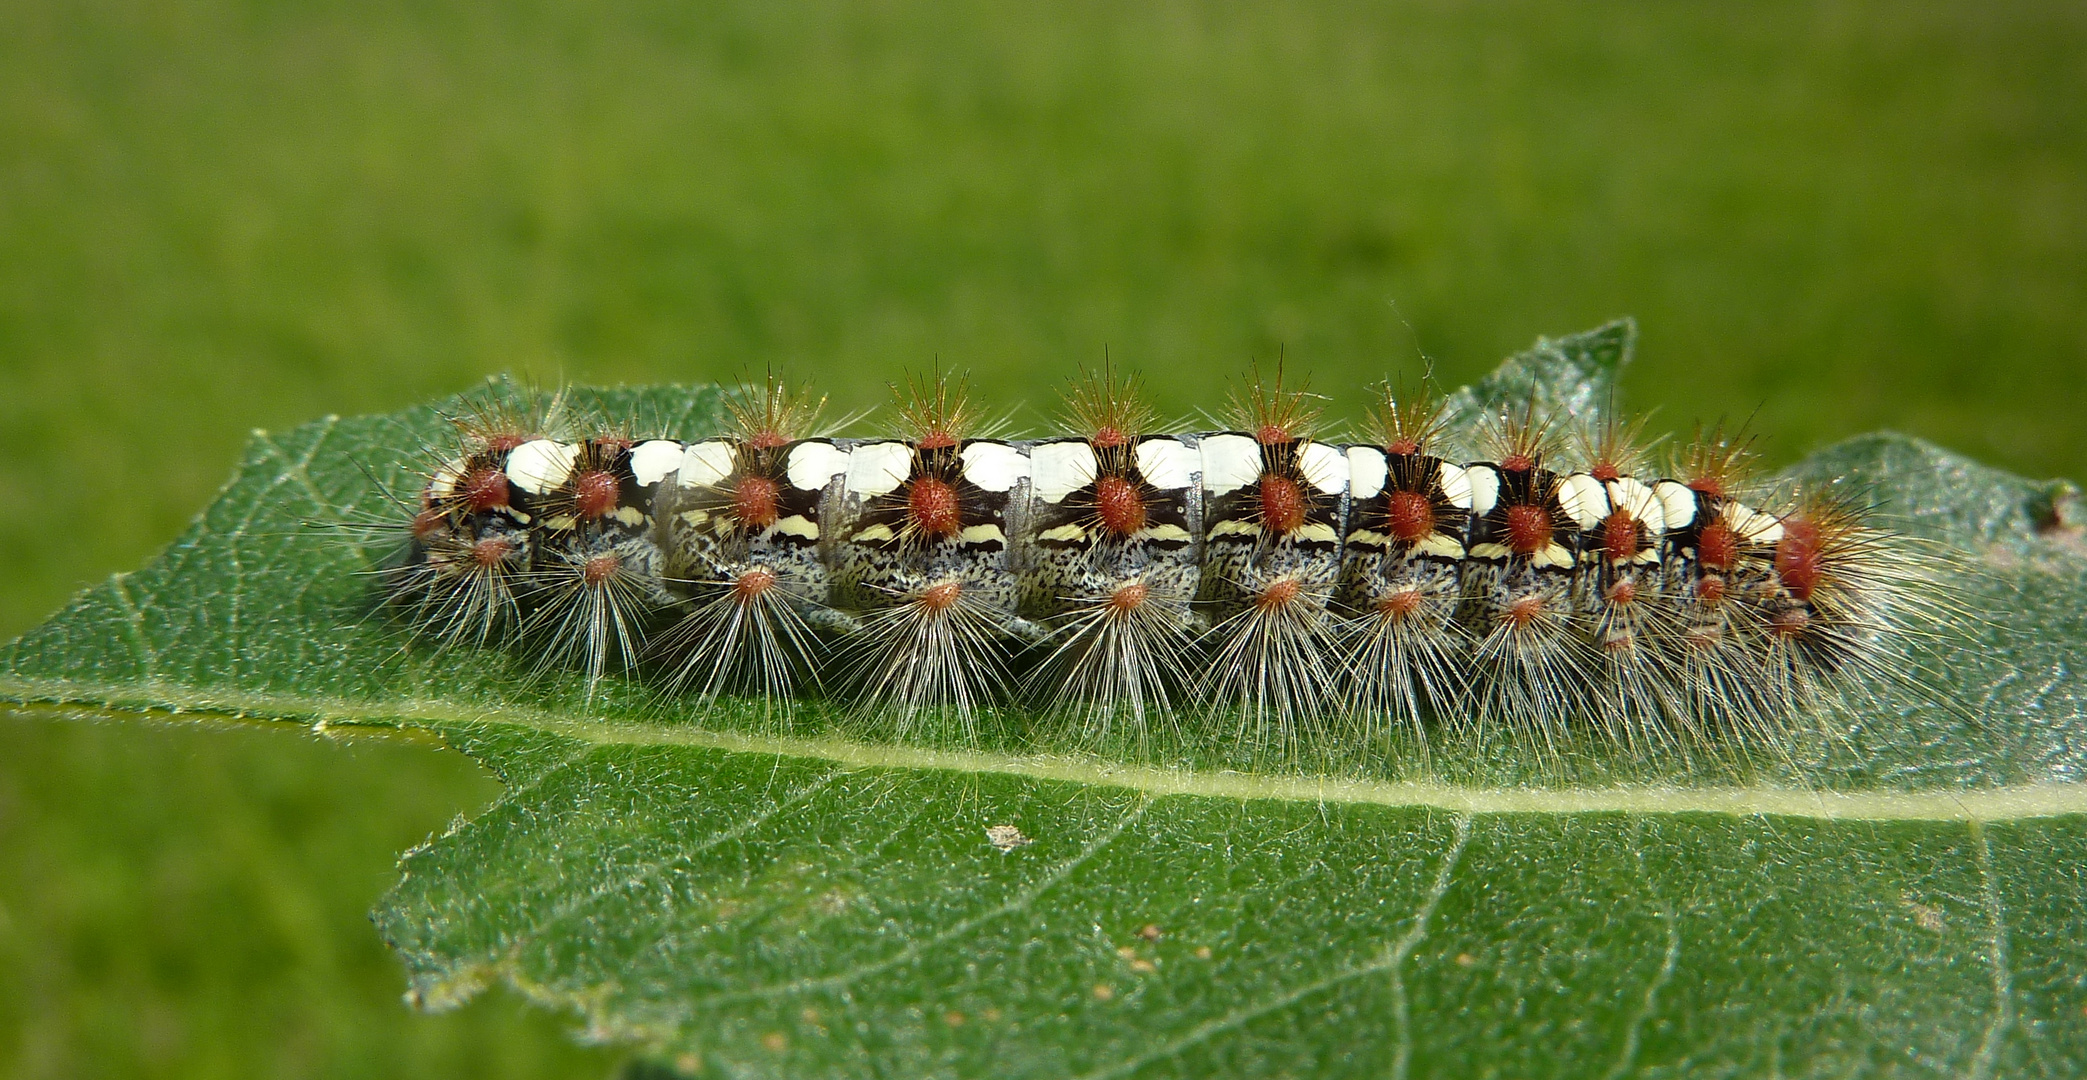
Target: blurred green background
point(216, 216)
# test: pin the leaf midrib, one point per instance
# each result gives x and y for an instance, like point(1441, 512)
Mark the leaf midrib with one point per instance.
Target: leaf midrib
point(2012, 802)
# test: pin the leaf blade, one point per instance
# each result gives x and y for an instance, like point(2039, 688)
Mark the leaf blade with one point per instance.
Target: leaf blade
point(811, 903)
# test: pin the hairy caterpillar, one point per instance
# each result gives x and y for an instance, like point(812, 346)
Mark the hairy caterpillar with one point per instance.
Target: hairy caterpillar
point(1272, 586)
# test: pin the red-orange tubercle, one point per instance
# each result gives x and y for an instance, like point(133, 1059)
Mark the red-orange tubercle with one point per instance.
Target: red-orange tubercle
point(933, 506)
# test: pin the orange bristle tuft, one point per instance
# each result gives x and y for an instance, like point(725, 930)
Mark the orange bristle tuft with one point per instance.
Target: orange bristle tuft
point(753, 583)
point(502, 416)
point(773, 414)
point(1523, 611)
point(1716, 464)
point(1401, 604)
point(1128, 598)
point(1283, 504)
point(941, 596)
point(1826, 542)
point(1613, 447)
point(1529, 529)
point(1279, 593)
point(1717, 548)
point(1408, 426)
point(1520, 442)
point(937, 415)
point(483, 488)
point(1273, 415)
point(1109, 411)
point(1622, 536)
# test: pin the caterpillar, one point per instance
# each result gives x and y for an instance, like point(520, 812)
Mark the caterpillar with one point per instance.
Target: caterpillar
point(1262, 582)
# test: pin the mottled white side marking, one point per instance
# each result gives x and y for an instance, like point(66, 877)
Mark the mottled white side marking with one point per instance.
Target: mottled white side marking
point(982, 534)
point(1057, 469)
point(1485, 488)
point(1440, 546)
point(1583, 500)
point(813, 465)
point(1752, 525)
point(994, 466)
point(652, 460)
point(1230, 462)
point(705, 464)
point(540, 465)
point(797, 525)
point(1324, 467)
point(1317, 532)
point(1677, 503)
point(1634, 498)
point(1367, 471)
point(878, 468)
point(1456, 485)
point(444, 483)
point(1168, 464)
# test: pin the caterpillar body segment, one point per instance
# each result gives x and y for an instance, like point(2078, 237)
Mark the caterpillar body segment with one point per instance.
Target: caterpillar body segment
point(1275, 499)
point(923, 549)
point(1271, 586)
point(598, 573)
point(744, 523)
point(1273, 509)
point(1111, 569)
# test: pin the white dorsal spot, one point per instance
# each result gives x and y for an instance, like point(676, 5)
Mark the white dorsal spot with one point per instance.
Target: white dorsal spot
point(1168, 463)
point(1752, 525)
point(814, 464)
point(1456, 485)
point(444, 483)
point(1323, 467)
point(1583, 500)
point(1367, 471)
point(879, 468)
point(539, 466)
point(1677, 504)
point(994, 466)
point(1057, 469)
point(1230, 462)
point(1635, 499)
point(705, 464)
point(653, 459)
point(1484, 483)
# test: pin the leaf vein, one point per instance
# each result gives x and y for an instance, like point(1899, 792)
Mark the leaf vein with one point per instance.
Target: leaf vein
point(1019, 902)
point(148, 658)
point(650, 870)
point(1391, 959)
point(1635, 1032)
point(2003, 977)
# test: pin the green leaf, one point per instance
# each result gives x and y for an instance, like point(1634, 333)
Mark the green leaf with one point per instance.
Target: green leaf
point(733, 896)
